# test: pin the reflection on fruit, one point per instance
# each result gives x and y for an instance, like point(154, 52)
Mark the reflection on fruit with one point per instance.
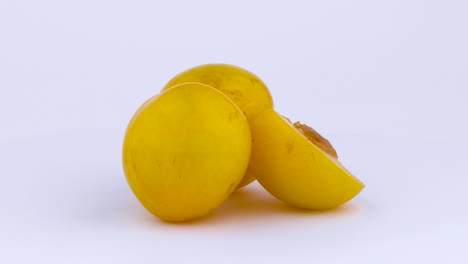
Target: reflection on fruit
point(297, 165)
point(185, 151)
point(243, 87)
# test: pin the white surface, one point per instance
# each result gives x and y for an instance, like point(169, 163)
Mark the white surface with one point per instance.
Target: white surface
point(385, 81)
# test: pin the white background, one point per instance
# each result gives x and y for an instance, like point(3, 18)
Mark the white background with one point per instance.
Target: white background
point(385, 81)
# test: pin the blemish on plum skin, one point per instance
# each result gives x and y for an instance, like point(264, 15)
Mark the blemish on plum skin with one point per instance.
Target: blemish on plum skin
point(231, 116)
point(290, 146)
point(130, 158)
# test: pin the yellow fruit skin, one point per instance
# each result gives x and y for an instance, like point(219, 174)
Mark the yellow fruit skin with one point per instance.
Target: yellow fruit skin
point(243, 87)
point(185, 151)
point(295, 170)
